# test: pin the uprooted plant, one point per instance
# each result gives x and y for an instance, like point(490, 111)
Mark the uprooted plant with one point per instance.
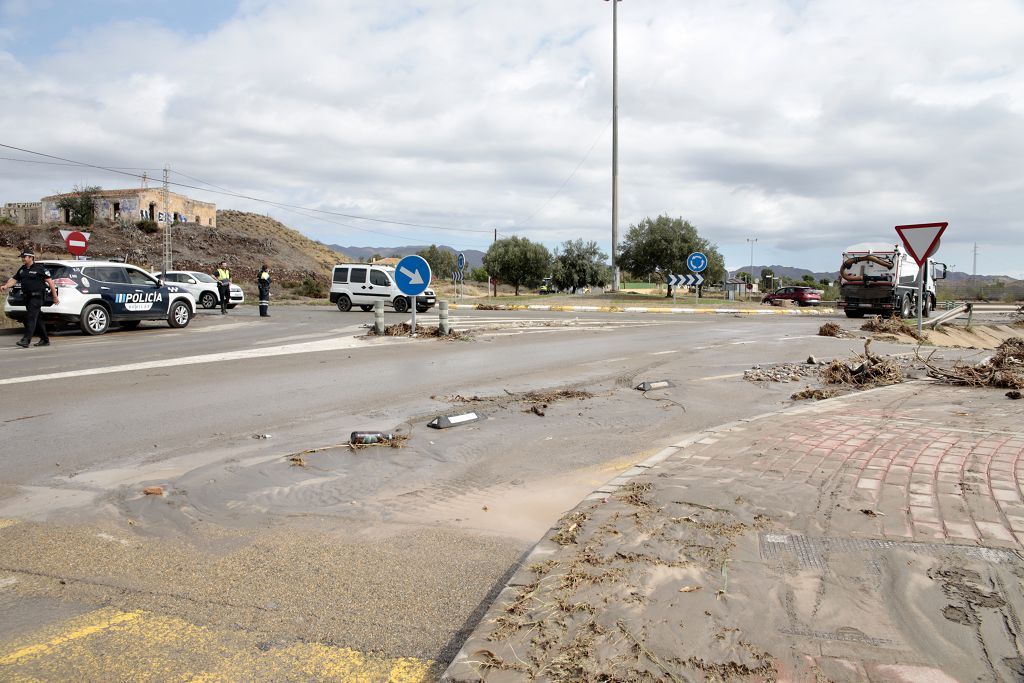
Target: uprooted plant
point(1004, 370)
point(832, 330)
point(865, 370)
point(890, 326)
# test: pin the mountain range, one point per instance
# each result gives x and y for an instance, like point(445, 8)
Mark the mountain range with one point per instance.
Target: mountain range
point(474, 257)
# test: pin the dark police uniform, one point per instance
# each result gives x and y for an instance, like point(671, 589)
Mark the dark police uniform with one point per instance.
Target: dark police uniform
point(33, 285)
point(263, 285)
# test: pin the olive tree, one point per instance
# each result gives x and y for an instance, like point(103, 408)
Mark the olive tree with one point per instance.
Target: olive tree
point(659, 246)
point(518, 262)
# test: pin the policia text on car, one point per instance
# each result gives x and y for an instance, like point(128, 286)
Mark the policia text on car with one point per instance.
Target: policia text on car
point(35, 281)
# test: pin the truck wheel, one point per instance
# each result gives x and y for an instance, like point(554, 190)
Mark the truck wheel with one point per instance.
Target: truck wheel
point(854, 314)
point(344, 303)
point(95, 319)
point(401, 304)
point(179, 315)
point(907, 308)
point(929, 306)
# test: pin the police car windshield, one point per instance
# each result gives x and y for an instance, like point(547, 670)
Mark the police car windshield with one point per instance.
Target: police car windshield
point(203, 277)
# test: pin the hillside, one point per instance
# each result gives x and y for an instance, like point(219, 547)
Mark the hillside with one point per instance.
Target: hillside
point(474, 257)
point(244, 240)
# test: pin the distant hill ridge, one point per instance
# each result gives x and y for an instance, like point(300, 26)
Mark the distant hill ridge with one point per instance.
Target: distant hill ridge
point(474, 257)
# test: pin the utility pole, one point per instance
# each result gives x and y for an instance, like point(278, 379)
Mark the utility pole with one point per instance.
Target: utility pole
point(495, 282)
point(167, 230)
point(750, 291)
point(615, 146)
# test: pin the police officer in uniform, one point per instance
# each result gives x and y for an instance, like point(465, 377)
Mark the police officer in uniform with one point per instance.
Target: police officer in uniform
point(35, 280)
point(263, 284)
point(223, 276)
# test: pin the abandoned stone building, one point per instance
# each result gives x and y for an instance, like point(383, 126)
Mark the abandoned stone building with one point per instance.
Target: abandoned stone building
point(138, 204)
point(21, 213)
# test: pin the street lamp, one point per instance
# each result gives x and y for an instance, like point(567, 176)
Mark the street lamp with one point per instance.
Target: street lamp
point(615, 145)
point(750, 291)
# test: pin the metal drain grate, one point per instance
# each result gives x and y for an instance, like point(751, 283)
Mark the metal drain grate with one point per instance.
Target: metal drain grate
point(812, 553)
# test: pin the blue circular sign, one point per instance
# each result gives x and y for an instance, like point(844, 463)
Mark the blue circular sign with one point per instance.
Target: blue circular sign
point(462, 261)
point(412, 275)
point(696, 262)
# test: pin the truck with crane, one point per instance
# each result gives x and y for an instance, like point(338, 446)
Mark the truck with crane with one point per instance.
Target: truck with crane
point(882, 279)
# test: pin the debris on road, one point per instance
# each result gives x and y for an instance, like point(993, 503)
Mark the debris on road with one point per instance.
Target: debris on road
point(816, 394)
point(1005, 370)
point(153, 490)
point(425, 331)
point(895, 326)
point(689, 589)
point(537, 409)
point(261, 436)
point(781, 372)
point(362, 439)
point(297, 460)
point(1014, 395)
point(832, 330)
point(866, 370)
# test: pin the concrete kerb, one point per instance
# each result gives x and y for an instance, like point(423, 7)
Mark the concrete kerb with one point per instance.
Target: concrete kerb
point(544, 548)
point(648, 309)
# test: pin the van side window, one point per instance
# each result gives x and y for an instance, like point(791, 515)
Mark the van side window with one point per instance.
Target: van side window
point(378, 278)
point(341, 275)
point(358, 275)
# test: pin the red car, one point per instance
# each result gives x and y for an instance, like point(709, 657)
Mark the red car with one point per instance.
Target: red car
point(803, 296)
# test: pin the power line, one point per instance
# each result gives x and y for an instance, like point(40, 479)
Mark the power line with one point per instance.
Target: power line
point(57, 163)
point(251, 198)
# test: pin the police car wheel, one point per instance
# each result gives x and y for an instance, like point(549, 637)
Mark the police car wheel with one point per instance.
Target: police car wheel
point(179, 315)
point(95, 319)
point(208, 300)
point(401, 305)
point(344, 303)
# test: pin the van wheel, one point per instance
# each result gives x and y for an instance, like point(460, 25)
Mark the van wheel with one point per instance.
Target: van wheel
point(95, 319)
point(401, 305)
point(208, 300)
point(179, 315)
point(344, 303)
point(366, 308)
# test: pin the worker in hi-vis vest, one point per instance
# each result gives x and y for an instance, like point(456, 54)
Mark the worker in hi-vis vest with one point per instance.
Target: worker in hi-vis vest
point(223, 276)
point(263, 285)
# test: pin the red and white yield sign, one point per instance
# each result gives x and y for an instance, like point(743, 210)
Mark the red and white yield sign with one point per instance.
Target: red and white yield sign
point(77, 241)
point(921, 240)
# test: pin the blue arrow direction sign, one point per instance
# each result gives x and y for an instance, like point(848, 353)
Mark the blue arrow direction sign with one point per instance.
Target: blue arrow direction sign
point(412, 275)
point(688, 280)
point(696, 262)
point(462, 261)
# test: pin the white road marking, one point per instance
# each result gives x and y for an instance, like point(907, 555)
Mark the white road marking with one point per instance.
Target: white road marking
point(284, 350)
point(737, 343)
point(713, 377)
point(662, 353)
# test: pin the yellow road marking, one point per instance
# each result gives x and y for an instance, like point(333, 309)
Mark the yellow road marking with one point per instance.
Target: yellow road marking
point(113, 645)
point(102, 620)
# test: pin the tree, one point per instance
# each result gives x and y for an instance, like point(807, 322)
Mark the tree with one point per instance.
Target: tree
point(660, 246)
point(579, 265)
point(518, 261)
point(80, 205)
point(808, 278)
point(825, 282)
point(767, 273)
point(478, 274)
point(442, 262)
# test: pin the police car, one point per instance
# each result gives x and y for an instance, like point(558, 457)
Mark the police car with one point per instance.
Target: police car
point(202, 287)
point(94, 294)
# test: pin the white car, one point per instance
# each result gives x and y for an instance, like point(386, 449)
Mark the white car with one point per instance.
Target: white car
point(93, 294)
point(202, 287)
point(363, 285)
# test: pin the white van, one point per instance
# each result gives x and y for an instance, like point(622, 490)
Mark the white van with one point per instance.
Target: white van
point(363, 285)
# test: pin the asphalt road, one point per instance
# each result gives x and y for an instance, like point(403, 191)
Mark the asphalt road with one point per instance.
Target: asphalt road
point(263, 548)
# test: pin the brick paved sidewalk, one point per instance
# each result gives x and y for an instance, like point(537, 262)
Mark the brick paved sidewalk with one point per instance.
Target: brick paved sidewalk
point(873, 537)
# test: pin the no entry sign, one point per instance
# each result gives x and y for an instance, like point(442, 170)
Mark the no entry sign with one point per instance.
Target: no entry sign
point(77, 242)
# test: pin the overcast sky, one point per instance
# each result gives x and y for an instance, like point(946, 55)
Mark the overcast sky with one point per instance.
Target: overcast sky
point(807, 125)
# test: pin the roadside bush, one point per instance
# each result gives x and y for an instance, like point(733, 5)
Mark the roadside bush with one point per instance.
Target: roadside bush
point(147, 226)
point(6, 221)
point(312, 288)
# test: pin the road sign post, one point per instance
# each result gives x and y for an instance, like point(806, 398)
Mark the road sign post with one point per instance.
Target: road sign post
point(697, 262)
point(921, 240)
point(412, 275)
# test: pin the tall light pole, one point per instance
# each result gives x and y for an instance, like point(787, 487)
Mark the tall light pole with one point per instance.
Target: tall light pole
point(752, 241)
point(615, 145)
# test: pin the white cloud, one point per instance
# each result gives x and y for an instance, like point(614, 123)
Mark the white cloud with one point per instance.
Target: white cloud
point(808, 124)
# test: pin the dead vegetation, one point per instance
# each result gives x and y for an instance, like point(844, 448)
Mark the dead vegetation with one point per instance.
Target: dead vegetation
point(897, 326)
point(833, 330)
point(422, 331)
point(816, 394)
point(1004, 370)
point(865, 370)
point(392, 440)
